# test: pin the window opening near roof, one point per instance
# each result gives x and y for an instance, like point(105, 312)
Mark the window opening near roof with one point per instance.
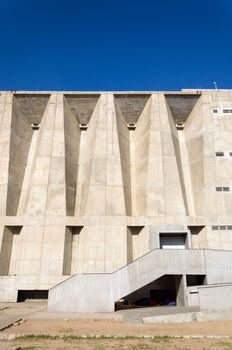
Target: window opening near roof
point(225, 189)
point(227, 111)
point(221, 227)
point(219, 154)
point(131, 126)
point(35, 126)
point(222, 189)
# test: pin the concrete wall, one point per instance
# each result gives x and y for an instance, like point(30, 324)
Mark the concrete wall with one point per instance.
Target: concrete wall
point(112, 287)
point(141, 272)
point(215, 301)
point(121, 187)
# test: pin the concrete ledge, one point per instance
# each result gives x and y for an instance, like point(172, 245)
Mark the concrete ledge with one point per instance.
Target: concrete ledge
point(176, 318)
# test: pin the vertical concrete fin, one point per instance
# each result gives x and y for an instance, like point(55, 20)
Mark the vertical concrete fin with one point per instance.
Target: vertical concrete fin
point(194, 141)
point(56, 195)
point(72, 136)
point(26, 111)
point(127, 111)
point(176, 144)
point(140, 159)
point(102, 185)
point(174, 202)
point(78, 109)
point(123, 138)
point(180, 109)
point(37, 187)
point(5, 132)
point(154, 180)
point(90, 195)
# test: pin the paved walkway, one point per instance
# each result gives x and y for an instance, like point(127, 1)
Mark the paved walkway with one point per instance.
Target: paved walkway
point(137, 314)
point(14, 312)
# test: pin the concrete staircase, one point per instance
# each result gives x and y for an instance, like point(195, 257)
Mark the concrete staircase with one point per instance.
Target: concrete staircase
point(98, 292)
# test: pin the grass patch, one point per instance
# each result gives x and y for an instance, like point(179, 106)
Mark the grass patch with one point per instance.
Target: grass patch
point(38, 337)
point(159, 339)
point(226, 345)
point(66, 330)
point(34, 337)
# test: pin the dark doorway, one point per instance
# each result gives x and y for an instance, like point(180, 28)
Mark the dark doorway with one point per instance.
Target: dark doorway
point(161, 292)
point(32, 295)
point(195, 280)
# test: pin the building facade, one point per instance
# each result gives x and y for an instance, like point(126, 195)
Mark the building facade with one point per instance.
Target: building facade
point(94, 182)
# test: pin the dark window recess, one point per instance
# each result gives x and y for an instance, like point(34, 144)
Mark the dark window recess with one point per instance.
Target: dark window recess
point(131, 126)
point(180, 126)
point(215, 110)
point(35, 126)
point(222, 189)
point(219, 154)
point(222, 227)
point(230, 154)
point(32, 294)
point(219, 189)
point(195, 280)
point(227, 110)
point(226, 189)
point(83, 126)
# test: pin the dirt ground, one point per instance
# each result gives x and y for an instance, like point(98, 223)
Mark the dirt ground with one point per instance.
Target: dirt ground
point(114, 327)
point(162, 334)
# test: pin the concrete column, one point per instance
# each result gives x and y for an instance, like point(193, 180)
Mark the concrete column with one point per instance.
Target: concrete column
point(181, 285)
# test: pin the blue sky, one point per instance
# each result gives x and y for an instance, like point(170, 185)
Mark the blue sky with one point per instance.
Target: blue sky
point(115, 45)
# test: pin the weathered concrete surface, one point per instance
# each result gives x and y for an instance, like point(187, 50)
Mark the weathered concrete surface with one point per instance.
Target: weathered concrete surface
point(215, 301)
point(75, 201)
point(76, 293)
point(11, 313)
point(172, 318)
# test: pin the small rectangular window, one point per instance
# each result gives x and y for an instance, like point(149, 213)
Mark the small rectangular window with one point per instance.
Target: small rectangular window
point(229, 227)
point(35, 126)
point(219, 154)
point(227, 110)
point(222, 189)
point(215, 228)
point(219, 189)
point(230, 154)
point(226, 189)
point(215, 110)
point(222, 228)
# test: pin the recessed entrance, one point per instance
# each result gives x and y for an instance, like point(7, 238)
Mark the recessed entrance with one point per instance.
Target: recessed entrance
point(32, 295)
point(161, 292)
point(173, 240)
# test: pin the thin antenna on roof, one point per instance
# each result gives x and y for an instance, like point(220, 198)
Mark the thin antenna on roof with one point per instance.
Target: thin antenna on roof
point(215, 85)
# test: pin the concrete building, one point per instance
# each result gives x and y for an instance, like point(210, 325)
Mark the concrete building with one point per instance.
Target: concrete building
point(109, 195)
